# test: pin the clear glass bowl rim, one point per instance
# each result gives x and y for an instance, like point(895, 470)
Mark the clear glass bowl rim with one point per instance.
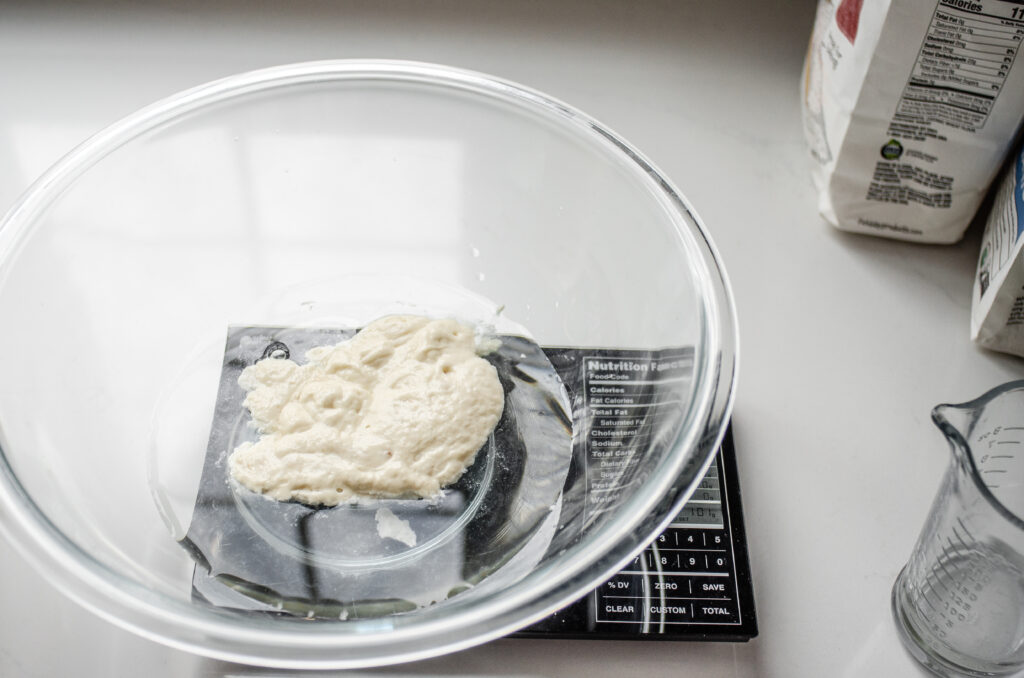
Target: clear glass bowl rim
point(364, 643)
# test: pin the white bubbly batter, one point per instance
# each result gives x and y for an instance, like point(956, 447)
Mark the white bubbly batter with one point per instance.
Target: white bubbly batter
point(398, 410)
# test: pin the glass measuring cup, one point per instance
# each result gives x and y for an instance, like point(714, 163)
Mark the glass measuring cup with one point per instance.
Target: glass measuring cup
point(959, 601)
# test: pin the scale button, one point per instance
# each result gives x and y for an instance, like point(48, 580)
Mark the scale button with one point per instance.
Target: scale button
point(668, 539)
point(718, 561)
point(671, 611)
point(713, 588)
point(623, 585)
point(715, 539)
point(642, 561)
point(687, 537)
point(715, 611)
point(615, 610)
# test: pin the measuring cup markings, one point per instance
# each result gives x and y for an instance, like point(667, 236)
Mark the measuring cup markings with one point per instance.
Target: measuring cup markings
point(953, 600)
point(942, 564)
point(952, 586)
point(962, 573)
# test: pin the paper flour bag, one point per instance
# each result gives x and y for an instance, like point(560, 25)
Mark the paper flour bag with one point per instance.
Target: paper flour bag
point(910, 107)
point(997, 305)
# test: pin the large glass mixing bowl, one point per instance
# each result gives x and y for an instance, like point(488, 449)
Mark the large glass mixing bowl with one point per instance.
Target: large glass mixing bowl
point(317, 196)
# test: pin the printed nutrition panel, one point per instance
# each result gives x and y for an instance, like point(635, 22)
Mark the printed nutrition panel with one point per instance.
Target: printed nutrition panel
point(962, 66)
point(624, 397)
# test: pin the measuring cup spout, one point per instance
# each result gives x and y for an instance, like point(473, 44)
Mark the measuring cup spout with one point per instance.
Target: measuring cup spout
point(954, 421)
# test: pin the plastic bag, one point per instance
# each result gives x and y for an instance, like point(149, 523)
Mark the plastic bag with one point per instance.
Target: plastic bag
point(910, 108)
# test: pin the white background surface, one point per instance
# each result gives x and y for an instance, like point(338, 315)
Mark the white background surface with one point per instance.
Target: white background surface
point(847, 341)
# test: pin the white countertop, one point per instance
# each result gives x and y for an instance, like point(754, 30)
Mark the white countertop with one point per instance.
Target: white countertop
point(846, 341)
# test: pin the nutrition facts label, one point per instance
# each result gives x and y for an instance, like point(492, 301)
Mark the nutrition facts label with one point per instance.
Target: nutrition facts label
point(963, 63)
point(961, 69)
point(623, 397)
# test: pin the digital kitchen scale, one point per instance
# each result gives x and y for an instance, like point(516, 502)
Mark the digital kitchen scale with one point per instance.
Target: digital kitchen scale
point(693, 582)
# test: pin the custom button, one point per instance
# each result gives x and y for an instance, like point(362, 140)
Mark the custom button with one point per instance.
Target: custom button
point(671, 611)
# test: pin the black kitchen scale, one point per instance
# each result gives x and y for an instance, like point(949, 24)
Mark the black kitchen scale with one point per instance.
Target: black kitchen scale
point(692, 583)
